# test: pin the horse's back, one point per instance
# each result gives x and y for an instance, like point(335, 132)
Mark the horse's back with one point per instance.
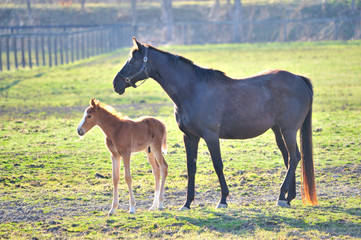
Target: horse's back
point(257, 103)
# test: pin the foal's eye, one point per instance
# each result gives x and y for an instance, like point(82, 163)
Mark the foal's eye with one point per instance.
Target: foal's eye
point(89, 116)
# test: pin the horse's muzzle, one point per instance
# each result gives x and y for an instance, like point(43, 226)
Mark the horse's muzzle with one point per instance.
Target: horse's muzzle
point(117, 86)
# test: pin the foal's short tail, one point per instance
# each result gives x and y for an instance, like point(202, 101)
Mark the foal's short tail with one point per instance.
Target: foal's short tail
point(308, 190)
point(164, 144)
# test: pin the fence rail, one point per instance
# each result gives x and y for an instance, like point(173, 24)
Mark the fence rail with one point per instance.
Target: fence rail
point(22, 46)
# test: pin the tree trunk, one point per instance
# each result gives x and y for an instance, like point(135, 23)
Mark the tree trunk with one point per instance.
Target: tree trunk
point(134, 12)
point(214, 9)
point(167, 17)
point(29, 11)
point(237, 18)
point(82, 6)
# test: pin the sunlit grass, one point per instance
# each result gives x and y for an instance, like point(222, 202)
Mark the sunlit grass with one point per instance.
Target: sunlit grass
point(48, 184)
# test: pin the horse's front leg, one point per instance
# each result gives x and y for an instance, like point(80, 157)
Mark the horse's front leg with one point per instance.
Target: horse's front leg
point(128, 180)
point(215, 151)
point(191, 145)
point(115, 176)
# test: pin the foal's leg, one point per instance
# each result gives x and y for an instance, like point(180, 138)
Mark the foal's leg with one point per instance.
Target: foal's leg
point(215, 151)
point(288, 184)
point(128, 180)
point(156, 173)
point(191, 145)
point(164, 173)
point(115, 176)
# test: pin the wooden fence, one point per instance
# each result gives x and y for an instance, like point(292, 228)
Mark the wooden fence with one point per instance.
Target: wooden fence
point(33, 46)
point(53, 45)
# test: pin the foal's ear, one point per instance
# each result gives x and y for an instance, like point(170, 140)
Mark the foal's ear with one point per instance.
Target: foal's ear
point(136, 44)
point(94, 102)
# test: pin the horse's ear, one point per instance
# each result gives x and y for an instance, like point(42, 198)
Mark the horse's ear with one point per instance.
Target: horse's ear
point(136, 44)
point(94, 102)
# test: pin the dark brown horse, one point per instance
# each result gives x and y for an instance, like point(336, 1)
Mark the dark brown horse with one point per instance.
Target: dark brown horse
point(210, 105)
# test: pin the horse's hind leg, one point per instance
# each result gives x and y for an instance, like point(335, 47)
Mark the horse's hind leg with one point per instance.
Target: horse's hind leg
point(164, 173)
point(156, 173)
point(115, 176)
point(128, 180)
point(291, 194)
point(291, 145)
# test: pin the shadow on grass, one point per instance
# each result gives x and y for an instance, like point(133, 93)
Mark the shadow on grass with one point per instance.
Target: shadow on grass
point(253, 219)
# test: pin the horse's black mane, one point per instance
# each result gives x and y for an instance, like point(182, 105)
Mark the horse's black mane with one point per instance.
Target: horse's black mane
point(201, 73)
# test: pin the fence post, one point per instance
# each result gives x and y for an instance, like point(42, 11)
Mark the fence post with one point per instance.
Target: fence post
point(66, 48)
point(93, 36)
point(82, 46)
point(61, 50)
point(7, 52)
point(36, 51)
point(77, 47)
point(43, 50)
point(55, 51)
point(72, 47)
point(336, 30)
point(29, 52)
point(49, 50)
point(15, 54)
point(1, 54)
point(88, 45)
point(22, 52)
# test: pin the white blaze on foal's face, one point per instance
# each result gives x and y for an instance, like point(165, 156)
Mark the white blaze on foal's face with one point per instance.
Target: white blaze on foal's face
point(87, 122)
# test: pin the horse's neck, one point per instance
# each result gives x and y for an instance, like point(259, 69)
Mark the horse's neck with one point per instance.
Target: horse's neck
point(107, 122)
point(175, 78)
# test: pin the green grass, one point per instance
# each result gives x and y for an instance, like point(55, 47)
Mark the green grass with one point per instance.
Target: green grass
point(48, 187)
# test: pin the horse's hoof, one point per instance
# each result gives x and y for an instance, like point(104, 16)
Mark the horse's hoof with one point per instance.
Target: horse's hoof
point(283, 203)
point(221, 205)
point(131, 212)
point(111, 212)
point(184, 208)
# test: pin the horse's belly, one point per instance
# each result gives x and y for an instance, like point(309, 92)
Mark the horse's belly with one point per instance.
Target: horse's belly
point(243, 131)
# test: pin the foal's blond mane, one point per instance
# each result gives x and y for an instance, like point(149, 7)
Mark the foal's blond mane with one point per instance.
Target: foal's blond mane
point(109, 109)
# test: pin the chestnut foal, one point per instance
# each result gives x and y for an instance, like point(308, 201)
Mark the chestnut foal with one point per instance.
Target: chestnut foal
point(125, 136)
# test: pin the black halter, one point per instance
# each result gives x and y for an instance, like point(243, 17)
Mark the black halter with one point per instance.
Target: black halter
point(141, 70)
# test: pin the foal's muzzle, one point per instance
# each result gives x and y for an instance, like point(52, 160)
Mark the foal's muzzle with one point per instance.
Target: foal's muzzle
point(80, 132)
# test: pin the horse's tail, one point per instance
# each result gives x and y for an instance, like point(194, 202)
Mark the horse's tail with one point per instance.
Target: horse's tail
point(307, 171)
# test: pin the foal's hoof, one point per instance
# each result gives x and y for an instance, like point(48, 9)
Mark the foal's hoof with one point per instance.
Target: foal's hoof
point(184, 208)
point(152, 208)
point(283, 203)
point(160, 206)
point(221, 205)
point(111, 212)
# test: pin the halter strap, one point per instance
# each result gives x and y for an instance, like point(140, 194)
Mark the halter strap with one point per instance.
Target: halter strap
point(143, 69)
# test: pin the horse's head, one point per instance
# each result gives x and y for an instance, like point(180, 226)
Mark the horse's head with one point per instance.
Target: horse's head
point(90, 118)
point(134, 69)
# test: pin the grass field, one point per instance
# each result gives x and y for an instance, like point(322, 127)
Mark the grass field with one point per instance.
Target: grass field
point(48, 184)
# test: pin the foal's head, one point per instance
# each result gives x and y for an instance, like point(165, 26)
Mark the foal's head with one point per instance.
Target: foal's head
point(90, 117)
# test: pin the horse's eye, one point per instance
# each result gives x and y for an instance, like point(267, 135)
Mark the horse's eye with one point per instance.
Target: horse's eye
point(89, 116)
